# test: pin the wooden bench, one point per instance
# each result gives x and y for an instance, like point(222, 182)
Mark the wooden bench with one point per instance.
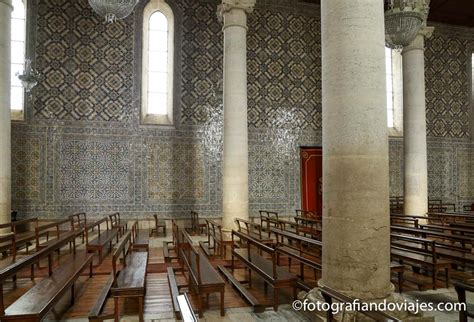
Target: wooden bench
point(461, 289)
point(202, 276)
point(158, 225)
point(79, 221)
point(130, 281)
point(307, 214)
point(24, 237)
point(404, 221)
point(103, 238)
point(420, 252)
point(46, 229)
point(186, 309)
point(117, 223)
point(141, 238)
point(196, 226)
point(276, 276)
point(304, 250)
point(331, 294)
point(253, 230)
point(216, 244)
point(257, 306)
point(174, 291)
point(264, 214)
point(309, 226)
point(29, 261)
point(173, 245)
point(96, 313)
point(41, 298)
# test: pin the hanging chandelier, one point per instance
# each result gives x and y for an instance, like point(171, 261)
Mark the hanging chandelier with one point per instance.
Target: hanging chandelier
point(113, 10)
point(403, 20)
point(30, 77)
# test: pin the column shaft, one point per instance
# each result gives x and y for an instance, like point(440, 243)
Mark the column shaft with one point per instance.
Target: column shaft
point(356, 233)
point(5, 122)
point(414, 122)
point(235, 160)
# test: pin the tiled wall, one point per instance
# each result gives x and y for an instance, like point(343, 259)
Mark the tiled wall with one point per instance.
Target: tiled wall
point(82, 147)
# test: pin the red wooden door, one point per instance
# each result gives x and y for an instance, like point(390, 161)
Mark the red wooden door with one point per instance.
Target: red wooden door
point(312, 179)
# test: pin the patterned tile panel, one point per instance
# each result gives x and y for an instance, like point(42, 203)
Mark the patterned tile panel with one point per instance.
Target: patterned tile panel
point(28, 169)
point(465, 164)
point(440, 173)
point(396, 168)
point(175, 172)
point(86, 64)
point(93, 171)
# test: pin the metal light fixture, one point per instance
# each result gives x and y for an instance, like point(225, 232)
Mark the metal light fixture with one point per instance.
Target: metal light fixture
point(403, 20)
point(113, 10)
point(30, 77)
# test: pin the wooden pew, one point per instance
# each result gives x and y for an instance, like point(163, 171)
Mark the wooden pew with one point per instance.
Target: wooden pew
point(309, 226)
point(141, 238)
point(41, 298)
point(286, 225)
point(196, 226)
point(130, 281)
point(202, 276)
point(96, 314)
point(172, 246)
point(276, 276)
point(186, 309)
point(419, 252)
point(118, 224)
point(99, 243)
point(79, 221)
point(253, 230)
point(215, 246)
point(331, 294)
point(158, 225)
point(23, 238)
point(304, 250)
point(404, 221)
point(264, 214)
point(461, 289)
point(46, 229)
point(307, 214)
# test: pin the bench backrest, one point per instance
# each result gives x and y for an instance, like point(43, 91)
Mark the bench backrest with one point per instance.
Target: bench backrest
point(121, 250)
point(97, 223)
point(214, 232)
point(400, 221)
point(9, 240)
point(15, 224)
point(307, 214)
point(78, 220)
point(56, 224)
point(267, 214)
point(417, 245)
point(115, 219)
point(248, 227)
point(250, 242)
point(190, 257)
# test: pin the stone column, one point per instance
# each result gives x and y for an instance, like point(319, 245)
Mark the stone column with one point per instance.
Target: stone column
point(356, 233)
point(414, 126)
point(233, 14)
point(5, 125)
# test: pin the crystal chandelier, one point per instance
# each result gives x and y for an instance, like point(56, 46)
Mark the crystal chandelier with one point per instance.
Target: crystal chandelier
point(113, 10)
point(30, 77)
point(403, 20)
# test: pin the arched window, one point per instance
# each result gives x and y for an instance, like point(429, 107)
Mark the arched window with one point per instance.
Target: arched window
point(18, 47)
point(157, 63)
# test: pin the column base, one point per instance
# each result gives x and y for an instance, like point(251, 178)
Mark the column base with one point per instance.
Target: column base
point(314, 296)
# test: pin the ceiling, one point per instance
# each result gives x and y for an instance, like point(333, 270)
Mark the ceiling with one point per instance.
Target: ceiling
point(453, 12)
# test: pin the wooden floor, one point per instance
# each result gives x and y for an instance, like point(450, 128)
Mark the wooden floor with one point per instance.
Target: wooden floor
point(158, 300)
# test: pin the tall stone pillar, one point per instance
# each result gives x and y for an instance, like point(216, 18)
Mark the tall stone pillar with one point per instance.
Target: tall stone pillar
point(233, 14)
point(414, 126)
point(5, 125)
point(356, 227)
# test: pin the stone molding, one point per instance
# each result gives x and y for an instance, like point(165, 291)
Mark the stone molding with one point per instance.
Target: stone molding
point(8, 3)
point(419, 42)
point(228, 6)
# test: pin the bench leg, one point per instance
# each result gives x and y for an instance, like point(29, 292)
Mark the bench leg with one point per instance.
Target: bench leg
point(90, 269)
point(275, 299)
point(222, 304)
point(199, 305)
point(435, 273)
point(400, 282)
point(447, 277)
point(250, 278)
point(141, 308)
point(72, 294)
point(116, 309)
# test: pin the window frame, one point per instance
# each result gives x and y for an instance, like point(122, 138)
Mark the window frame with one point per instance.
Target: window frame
point(19, 115)
point(166, 119)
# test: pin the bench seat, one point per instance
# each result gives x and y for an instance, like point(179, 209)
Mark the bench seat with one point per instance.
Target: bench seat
point(37, 301)
point(265, 266)
point(209, 276)
point(142, 240)
point(132, 279)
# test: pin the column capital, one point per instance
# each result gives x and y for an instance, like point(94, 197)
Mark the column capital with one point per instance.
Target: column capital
point(228, 5)
point(419, 42)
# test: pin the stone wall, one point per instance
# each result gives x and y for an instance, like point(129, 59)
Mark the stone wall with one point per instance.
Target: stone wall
point(82, 147)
